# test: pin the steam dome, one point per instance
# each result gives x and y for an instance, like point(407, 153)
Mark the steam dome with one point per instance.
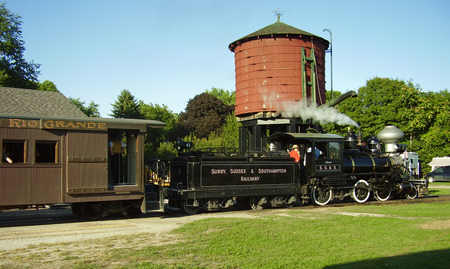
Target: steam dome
point(390, 134)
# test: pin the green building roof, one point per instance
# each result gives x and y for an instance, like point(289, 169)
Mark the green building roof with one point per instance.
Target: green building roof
point(277, 29)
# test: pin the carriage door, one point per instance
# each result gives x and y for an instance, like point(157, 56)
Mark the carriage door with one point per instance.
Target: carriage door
point(87, 164)
point(122, 157)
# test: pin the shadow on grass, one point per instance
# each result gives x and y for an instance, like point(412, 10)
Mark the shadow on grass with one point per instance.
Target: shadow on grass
point(426, 259)
point(15, 218)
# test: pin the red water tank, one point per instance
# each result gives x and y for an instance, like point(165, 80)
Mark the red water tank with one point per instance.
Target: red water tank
point(275, 64)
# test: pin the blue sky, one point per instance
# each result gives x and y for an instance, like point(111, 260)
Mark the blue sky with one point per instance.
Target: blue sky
point(166, 52)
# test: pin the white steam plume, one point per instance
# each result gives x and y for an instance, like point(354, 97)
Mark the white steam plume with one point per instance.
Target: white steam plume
point(322, 114)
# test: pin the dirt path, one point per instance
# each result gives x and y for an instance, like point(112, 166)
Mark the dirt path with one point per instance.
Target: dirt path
point(16, 237)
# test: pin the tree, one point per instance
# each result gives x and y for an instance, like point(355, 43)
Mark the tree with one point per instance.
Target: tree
point(15, 71)
point(47, 85)
point(227, 97)
point(204, 114)
point(330, 98)
point(230, 133)
point(433, 111)
point(158, 138)
point(90, 110)
point(381, 102)
point(423, 117)
point(126, 106)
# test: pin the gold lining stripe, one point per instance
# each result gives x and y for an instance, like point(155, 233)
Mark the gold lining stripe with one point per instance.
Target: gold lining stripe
point(353, 164)
point(373, 163)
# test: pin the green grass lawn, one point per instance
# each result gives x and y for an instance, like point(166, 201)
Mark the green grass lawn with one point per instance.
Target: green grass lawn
point(414, 235)
point(439, 188)
point(395, 236)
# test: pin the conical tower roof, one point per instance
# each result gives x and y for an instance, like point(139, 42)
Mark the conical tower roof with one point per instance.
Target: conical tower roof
point(278, 29)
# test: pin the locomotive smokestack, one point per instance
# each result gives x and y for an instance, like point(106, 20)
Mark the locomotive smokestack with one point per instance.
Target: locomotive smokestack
point(343, 97)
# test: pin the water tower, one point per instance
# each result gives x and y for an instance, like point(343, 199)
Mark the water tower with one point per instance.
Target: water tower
point(275, 64)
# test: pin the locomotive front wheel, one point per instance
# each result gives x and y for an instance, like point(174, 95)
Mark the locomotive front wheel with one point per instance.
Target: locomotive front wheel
point(189, 209)
point(412, 193)
point(361, 191)
point(383, 194)
point(322, 196)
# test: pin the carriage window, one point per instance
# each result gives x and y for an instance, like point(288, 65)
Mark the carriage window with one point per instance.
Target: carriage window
point(13, 151)
point(46, 152)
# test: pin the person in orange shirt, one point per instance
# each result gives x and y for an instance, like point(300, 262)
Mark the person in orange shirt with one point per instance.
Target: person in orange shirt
point(295, 154)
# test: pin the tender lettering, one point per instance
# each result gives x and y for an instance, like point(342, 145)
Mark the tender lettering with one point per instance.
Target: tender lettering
point(218, 171)
point(272, 171)
point(249, 179)
point(238, 171)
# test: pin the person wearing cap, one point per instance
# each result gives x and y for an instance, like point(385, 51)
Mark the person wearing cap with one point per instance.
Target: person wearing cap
point(295, 154)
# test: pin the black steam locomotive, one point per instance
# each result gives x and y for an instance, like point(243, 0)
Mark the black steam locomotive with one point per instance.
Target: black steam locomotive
point(330, 167)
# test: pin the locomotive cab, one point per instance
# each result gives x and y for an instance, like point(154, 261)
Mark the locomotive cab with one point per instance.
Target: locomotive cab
point(320, 154)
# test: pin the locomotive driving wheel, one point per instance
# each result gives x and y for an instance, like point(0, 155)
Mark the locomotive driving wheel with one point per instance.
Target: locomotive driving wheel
point(258, 203)
point(412, 193)
point(189, 209)
point(383, 194)
point(322, 195)
point(361, 191)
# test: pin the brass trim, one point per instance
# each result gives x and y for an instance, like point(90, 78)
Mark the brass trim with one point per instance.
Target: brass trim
point(353, 164)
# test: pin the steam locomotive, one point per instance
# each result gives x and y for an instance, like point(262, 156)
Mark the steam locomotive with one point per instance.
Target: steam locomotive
point(330, 167)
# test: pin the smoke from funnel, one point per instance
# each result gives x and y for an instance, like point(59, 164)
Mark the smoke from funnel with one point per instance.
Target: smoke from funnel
point(322, 114)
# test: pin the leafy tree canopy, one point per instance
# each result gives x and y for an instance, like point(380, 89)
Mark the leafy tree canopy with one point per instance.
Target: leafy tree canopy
point(423, 117)
point(204, 114)
point(381, 102)
point(90, 110)
point(47, 85)
point(126, 106)
point(15, 71)
point(159, 137)
point(331, 97)
point(227, 97)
